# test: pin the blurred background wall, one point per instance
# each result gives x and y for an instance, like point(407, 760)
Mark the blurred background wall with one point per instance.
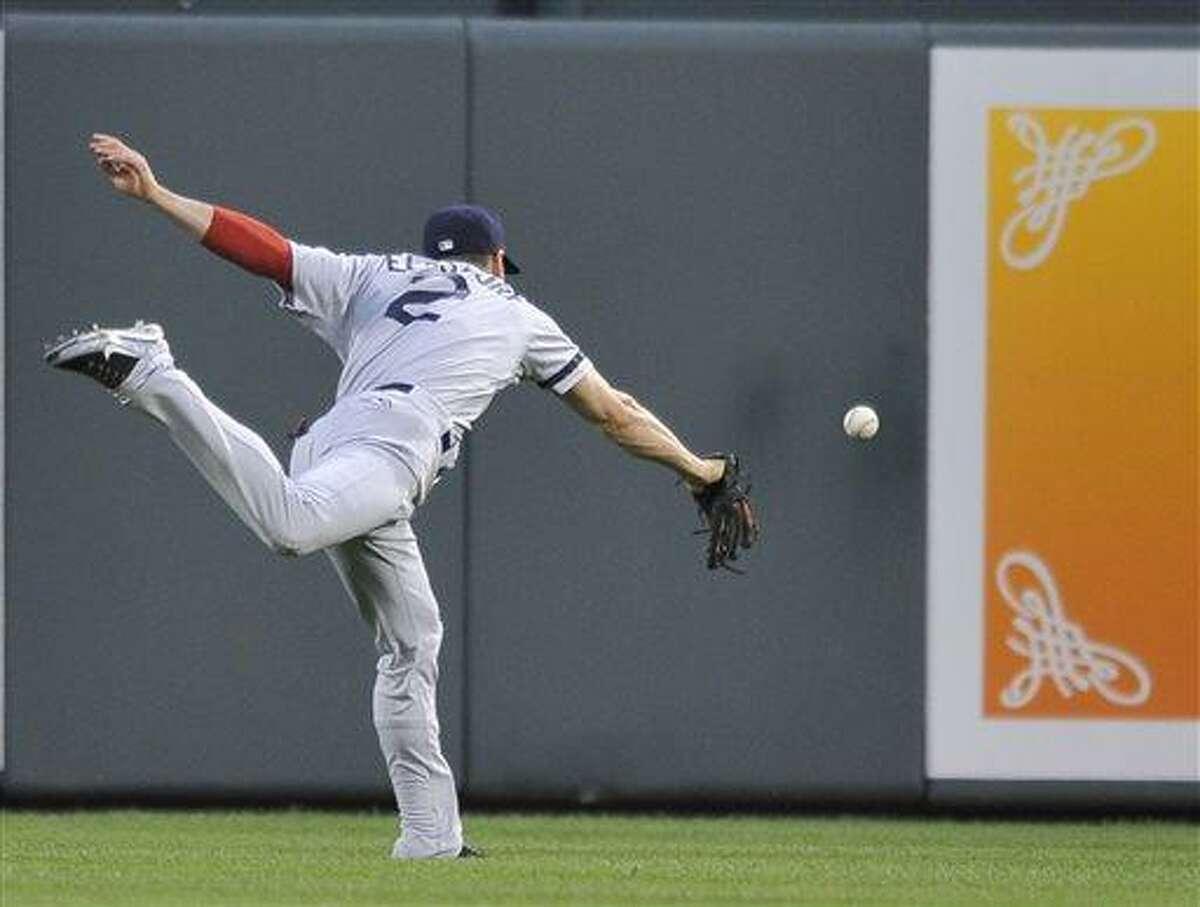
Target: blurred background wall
point(730, 217)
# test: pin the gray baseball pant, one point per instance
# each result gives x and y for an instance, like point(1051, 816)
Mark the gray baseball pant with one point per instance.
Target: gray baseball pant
point(355, 478)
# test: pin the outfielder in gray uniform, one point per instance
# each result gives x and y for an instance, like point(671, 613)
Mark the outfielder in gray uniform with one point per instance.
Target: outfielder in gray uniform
point(426, 342)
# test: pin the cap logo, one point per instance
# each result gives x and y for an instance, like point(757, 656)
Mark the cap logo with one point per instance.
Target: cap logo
point(445, 245)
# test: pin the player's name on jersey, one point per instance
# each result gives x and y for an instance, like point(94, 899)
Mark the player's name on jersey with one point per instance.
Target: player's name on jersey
point(406, 261)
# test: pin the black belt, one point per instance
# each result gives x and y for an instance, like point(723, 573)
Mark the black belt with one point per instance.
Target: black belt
point(405, 388)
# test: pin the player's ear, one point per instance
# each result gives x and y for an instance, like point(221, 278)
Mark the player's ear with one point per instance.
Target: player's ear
point(497, 263)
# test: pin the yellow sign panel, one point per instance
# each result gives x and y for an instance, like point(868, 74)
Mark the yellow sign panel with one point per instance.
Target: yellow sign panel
point(1092, 567)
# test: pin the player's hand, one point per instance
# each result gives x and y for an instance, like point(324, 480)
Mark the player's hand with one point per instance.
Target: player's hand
point(126, 169)
point(713, 471)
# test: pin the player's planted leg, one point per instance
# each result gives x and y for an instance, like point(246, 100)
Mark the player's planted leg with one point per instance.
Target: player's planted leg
point(385, 575)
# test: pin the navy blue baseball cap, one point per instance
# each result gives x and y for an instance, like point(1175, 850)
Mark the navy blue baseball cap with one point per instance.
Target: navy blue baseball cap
point(468, 229)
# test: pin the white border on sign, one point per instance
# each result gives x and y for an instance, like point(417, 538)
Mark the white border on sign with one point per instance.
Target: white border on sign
point(3, 474)
point(961, 743)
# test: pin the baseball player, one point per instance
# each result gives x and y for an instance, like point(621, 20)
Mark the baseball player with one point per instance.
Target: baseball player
point(426, 341)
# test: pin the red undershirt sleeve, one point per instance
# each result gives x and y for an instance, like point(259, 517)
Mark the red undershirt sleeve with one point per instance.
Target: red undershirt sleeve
point(250, 244)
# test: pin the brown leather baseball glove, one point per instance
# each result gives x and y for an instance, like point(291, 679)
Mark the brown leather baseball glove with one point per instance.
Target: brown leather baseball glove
point(728, 514)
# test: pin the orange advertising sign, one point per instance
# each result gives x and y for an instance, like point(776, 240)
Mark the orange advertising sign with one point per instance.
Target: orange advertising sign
point(1092, 473)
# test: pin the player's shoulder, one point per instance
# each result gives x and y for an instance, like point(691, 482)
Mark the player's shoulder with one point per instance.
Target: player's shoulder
point(323, 251)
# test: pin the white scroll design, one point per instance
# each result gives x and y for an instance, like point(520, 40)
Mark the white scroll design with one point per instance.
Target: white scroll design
point(1057, 648)
point(1061, 174)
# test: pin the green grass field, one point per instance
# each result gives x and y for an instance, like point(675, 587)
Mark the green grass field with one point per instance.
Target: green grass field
point(305, 858)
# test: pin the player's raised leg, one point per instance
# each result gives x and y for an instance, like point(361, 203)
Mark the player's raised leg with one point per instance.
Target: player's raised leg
point(340, 498)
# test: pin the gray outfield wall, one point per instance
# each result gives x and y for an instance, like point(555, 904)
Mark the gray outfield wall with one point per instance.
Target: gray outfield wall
point(154, 644)
point(731, 219)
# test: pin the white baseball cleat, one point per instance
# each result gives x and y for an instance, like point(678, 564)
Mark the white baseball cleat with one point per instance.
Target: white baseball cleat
point(109, 355)
point(465, 851)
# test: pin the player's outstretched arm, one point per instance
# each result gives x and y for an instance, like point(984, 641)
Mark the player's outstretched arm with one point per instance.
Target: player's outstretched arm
point(639, 431)
point(243, 240)
point(716, 486)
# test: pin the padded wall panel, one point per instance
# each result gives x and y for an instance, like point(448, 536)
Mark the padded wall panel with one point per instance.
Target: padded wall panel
point(731, 220)
point(154, 644)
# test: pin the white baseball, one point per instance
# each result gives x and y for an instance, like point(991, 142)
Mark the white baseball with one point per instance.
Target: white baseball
point(861, 422)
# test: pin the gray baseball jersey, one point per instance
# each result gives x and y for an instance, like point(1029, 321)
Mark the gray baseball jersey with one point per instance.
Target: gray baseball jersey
point(454, 330)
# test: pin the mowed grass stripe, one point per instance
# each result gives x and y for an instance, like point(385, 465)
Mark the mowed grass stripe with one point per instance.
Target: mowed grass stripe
point(132, 858)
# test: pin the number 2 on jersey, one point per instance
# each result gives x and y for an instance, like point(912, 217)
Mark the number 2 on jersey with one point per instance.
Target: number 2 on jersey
point(397, 309)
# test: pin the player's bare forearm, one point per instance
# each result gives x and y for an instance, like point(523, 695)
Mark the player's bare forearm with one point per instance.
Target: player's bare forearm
point(638, 431)
point(192, 215)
